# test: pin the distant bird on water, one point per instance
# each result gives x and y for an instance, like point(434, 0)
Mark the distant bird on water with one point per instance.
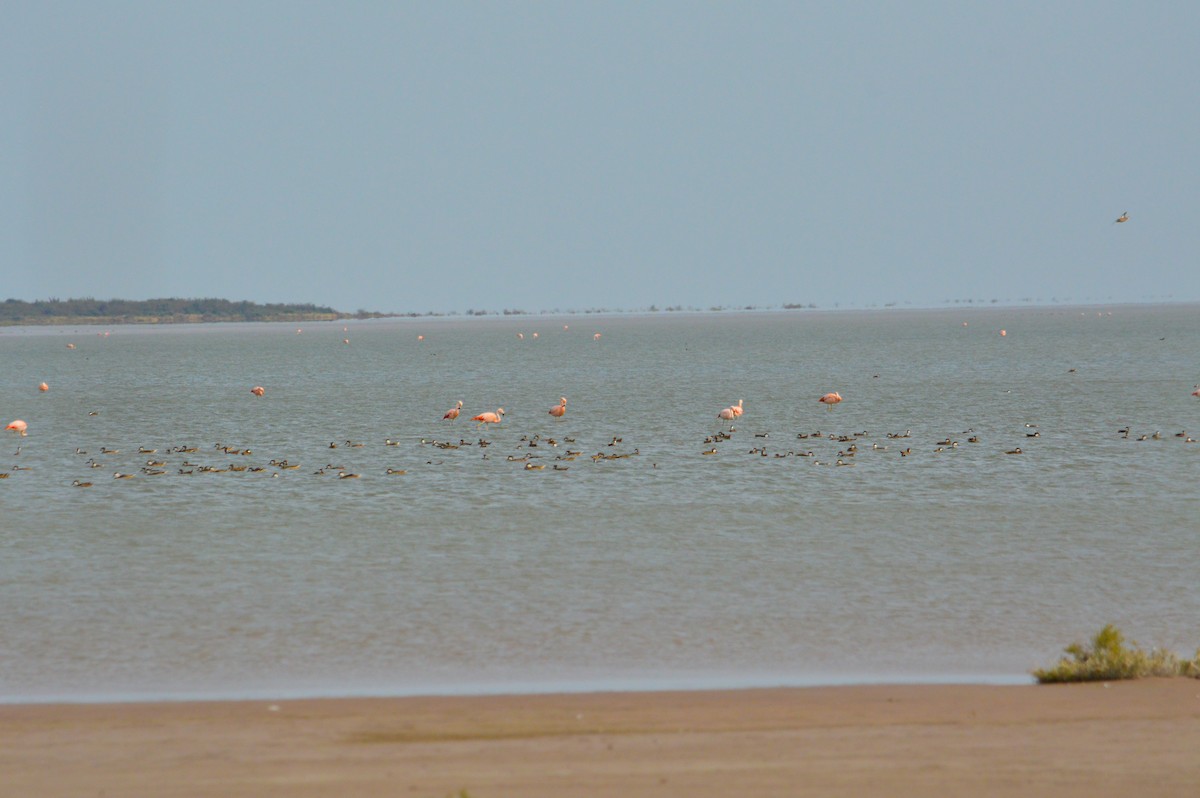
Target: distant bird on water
point(560, 409)
point(489, 417)
point(453, 412)
point(18, 427)
point(830, 399)
point(1124, 217)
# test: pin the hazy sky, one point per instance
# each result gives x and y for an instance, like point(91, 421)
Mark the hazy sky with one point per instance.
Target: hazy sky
point(565, 155)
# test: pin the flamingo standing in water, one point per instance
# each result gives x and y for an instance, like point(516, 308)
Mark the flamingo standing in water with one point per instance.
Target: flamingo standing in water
point(737, 409)
point(728, 414)
point(258, 390)
point(17, 426)
point(453, 412)
point(830, 399)
point(489, 417)
point(560, 409)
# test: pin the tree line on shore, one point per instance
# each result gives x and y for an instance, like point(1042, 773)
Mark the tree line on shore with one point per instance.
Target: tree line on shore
point(110, 311)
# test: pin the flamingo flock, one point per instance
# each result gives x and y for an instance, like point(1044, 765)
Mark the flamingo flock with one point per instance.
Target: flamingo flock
point(542, 452)
point(535, 446)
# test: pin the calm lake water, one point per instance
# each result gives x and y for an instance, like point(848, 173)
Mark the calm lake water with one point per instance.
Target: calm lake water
point(665, 568)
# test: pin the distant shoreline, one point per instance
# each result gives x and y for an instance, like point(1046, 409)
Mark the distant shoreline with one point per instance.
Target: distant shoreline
point(93, 321)
point(54, 312)
point(89, 311)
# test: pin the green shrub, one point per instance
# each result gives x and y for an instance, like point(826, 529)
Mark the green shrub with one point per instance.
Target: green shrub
point(1108, 658)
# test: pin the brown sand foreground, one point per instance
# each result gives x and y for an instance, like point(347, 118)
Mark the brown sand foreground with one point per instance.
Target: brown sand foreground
point(1119, 739)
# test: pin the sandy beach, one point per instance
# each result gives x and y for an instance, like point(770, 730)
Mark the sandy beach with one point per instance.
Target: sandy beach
point(1121, 738)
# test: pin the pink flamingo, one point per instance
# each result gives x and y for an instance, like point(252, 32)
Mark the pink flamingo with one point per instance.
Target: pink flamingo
point(43, 387)
point(18, 426)
point(489, 417)
point(728, 414)
point(830, 399)
point(258, 390)
point(560, 409)
point(737, 409)
point(1196, 392)
point(453, 412)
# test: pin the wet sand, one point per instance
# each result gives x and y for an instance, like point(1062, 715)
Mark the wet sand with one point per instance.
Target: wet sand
point(1124, 738)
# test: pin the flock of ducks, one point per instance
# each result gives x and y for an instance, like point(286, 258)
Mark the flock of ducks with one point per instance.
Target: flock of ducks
point(534, 448)
point(847, 444)
point(184, 460)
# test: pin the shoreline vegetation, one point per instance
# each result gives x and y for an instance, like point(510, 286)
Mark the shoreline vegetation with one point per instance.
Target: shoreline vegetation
point(156, 311)
point(1107, 657)
point(174, 310)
